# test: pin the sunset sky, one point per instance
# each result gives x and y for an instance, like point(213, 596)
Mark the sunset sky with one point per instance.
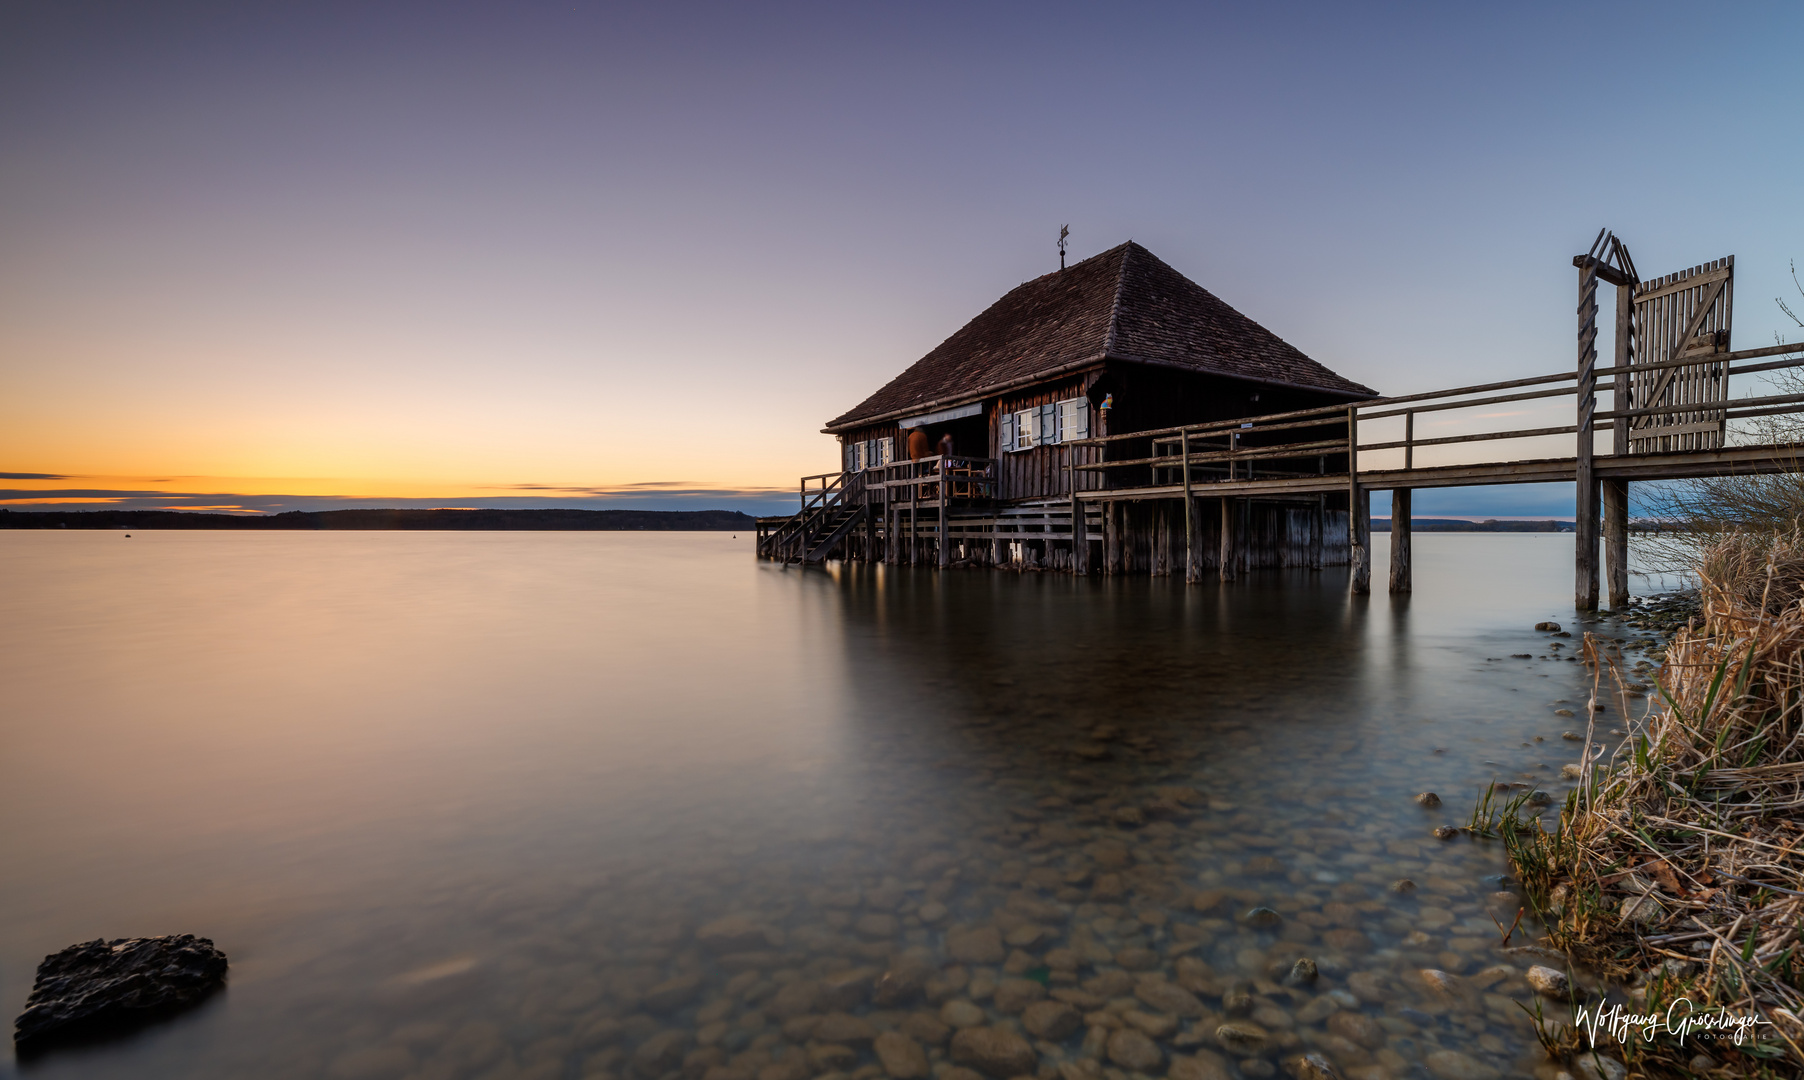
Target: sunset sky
point(267, 256)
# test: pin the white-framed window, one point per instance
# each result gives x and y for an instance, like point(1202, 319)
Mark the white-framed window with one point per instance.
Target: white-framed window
point(1045, 425)
point(869, 454)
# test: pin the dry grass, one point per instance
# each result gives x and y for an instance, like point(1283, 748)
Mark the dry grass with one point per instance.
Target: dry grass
point(1677, 864)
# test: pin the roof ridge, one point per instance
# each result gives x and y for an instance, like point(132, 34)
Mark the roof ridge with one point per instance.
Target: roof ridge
point(1108, 341)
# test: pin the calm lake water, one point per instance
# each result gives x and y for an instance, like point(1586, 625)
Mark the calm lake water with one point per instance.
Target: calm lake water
point(457, 805)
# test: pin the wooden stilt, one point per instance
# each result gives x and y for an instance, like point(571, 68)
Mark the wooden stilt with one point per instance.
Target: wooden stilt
point(1080, 536)
point(1584, 592)
point(1318, 531)
point(1360, 540)
point(945, 521)
point(1112, 538)
point(1193, 539)
point(1225, 564)
point(1616, 541)
point(1161, 540)
point(1400, 531)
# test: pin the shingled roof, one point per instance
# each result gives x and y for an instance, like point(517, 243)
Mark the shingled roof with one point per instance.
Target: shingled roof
point(1122, 305)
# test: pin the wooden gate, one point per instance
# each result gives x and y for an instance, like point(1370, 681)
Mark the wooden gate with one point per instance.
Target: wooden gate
point(1682, 316)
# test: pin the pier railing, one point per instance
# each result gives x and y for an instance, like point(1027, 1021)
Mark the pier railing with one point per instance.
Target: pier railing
point(1328, 441)
point(966, 479)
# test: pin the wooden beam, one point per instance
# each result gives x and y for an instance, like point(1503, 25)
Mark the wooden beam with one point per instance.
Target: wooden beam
point(1400, 534)
point(1616, 541)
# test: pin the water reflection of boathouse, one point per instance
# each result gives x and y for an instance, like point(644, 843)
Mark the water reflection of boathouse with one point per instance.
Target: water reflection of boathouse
point(1000, 415)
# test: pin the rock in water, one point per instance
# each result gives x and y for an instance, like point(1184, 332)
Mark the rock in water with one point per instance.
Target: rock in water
point(1546, 980)
point(101, 985)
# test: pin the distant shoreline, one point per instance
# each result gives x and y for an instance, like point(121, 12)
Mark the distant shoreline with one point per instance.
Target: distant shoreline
point(391, 520)
point(1416, 524)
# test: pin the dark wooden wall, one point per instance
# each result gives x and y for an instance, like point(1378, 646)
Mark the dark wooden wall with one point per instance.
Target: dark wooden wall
point(1041, 472)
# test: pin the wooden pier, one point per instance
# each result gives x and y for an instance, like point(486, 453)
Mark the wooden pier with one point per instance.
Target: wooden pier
point(1293, 488)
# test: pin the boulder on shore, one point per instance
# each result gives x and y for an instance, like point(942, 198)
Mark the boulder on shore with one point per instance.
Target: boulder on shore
point(103, 986)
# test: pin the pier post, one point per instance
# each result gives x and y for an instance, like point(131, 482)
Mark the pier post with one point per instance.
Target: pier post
point(1359, 526)
point(1225, 563)
point(1080, 536)
point(1616, 541)
point(1400, 568)
point(1616, 492)
point(914, 524)
point(1112, 538)
point(1193, 540)
point(1318, 530)
point(1161, 540)
point(1584, 592)
point(945, 520)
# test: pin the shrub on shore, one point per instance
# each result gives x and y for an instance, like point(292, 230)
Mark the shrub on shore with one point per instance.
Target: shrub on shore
point(1676, 866)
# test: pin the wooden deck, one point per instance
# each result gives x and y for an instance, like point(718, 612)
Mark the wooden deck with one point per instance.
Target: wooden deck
point(1229, 495)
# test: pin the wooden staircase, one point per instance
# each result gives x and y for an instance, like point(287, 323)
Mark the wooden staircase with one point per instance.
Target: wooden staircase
point(828, 516)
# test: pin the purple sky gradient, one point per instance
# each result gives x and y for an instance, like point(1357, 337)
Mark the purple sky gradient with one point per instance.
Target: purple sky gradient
point(480, 245)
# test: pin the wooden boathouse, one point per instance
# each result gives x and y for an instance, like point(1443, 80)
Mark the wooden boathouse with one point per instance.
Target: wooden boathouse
point(978, 452)
point(1117, 417)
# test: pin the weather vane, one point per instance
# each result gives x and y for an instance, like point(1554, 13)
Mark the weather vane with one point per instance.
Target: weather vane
point(1064, 231)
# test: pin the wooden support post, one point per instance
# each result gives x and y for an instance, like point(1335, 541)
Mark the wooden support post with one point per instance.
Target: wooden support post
point(1625, 355)
point(914, 529)
point(1400, 568)
point(1224, 568)
point(1616, 541)
point(1584, 592)
point(1359, 514)
point(1318, 531)
point(1193, 539)
point(1193, 568)
point(1080, 536)
point(1161, 540)
point(945, 520)
point(1616, 492)
point(1112, 538)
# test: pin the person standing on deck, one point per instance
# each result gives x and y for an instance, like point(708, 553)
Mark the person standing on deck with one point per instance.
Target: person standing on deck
point(946, 445)
point(918, 445)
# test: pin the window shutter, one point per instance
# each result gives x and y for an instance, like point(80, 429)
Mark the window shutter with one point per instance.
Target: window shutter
point(1049, 423)
point(1005, 431)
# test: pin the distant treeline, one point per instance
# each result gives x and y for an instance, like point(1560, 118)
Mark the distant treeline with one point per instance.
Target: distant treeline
point(470, 520)
point(1417, 524)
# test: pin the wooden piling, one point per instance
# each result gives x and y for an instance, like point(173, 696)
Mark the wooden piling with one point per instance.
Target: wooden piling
point(1400, 532)
point(1228, 556)
point(1318, 531)
point(1584, 591)
point(1616, 541)
point(1111, 537)
point(1193, 539)
point(945, 521)
point(1080, 536)
point(1359, 538)
point(1161, 540)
